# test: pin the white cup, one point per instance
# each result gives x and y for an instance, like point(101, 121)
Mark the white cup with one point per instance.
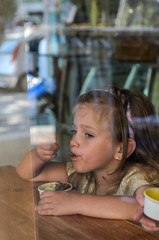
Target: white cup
point(51, 186)
point(151, 204)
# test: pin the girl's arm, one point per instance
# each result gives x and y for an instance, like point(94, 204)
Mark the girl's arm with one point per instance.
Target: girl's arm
point(112, 207)
point(68, 203)
point(35, 166)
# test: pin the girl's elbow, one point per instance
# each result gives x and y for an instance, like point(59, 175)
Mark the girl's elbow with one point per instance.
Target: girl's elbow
point(21, 174)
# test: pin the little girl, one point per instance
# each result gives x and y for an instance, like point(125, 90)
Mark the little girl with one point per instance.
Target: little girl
point(114, 154)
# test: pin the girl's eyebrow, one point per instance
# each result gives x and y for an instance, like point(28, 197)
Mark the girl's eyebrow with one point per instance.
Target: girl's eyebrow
point(89, 127)
point(85, 127)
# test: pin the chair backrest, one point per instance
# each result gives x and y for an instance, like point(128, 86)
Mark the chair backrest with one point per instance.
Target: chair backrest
point(155, 91)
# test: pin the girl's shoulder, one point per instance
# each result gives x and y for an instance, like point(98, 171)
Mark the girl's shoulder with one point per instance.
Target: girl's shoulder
point(135, 177)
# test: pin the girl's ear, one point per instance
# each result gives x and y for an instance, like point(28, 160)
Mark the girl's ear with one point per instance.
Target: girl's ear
point(130, 149)
point(119, 152)
point(131, 146)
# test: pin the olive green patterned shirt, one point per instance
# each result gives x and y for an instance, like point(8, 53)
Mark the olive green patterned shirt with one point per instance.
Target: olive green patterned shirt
point(85, 182)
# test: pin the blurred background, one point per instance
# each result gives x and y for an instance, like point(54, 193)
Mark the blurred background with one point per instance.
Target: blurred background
point(51, 51)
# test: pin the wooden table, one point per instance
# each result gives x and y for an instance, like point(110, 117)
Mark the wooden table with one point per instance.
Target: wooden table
point(18, 220)
point(17, 215)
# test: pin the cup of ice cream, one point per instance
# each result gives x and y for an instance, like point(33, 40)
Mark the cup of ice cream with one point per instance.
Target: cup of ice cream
point(55, 186)
point(151, 204)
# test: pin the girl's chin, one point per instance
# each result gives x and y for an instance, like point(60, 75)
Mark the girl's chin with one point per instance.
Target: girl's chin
point(79, 169)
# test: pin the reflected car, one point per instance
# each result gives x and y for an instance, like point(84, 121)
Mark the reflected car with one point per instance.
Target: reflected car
point(15, 62)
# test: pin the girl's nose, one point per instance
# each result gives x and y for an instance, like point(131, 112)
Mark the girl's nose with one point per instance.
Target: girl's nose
point(74, 142)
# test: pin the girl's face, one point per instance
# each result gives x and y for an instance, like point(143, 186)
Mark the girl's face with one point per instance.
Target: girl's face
point(91, 145)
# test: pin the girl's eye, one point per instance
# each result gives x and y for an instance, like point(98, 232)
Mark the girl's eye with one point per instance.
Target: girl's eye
point(73, 132)
point(89, 135)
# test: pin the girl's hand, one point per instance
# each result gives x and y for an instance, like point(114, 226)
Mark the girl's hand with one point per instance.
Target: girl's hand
point(57, 203)
point(47, 148)
point(146, 222)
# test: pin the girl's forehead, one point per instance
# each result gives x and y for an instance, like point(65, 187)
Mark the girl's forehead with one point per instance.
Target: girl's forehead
point(90, 115)
point(101, 113)
point(83, 112)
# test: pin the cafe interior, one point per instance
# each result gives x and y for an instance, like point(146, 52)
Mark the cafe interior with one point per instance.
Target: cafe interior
point(76, 46)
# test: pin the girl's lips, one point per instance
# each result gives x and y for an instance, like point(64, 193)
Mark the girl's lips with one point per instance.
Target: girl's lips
point(73, 156)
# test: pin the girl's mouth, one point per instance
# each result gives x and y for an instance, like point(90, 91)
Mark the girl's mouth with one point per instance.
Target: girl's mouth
point(73, 156)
